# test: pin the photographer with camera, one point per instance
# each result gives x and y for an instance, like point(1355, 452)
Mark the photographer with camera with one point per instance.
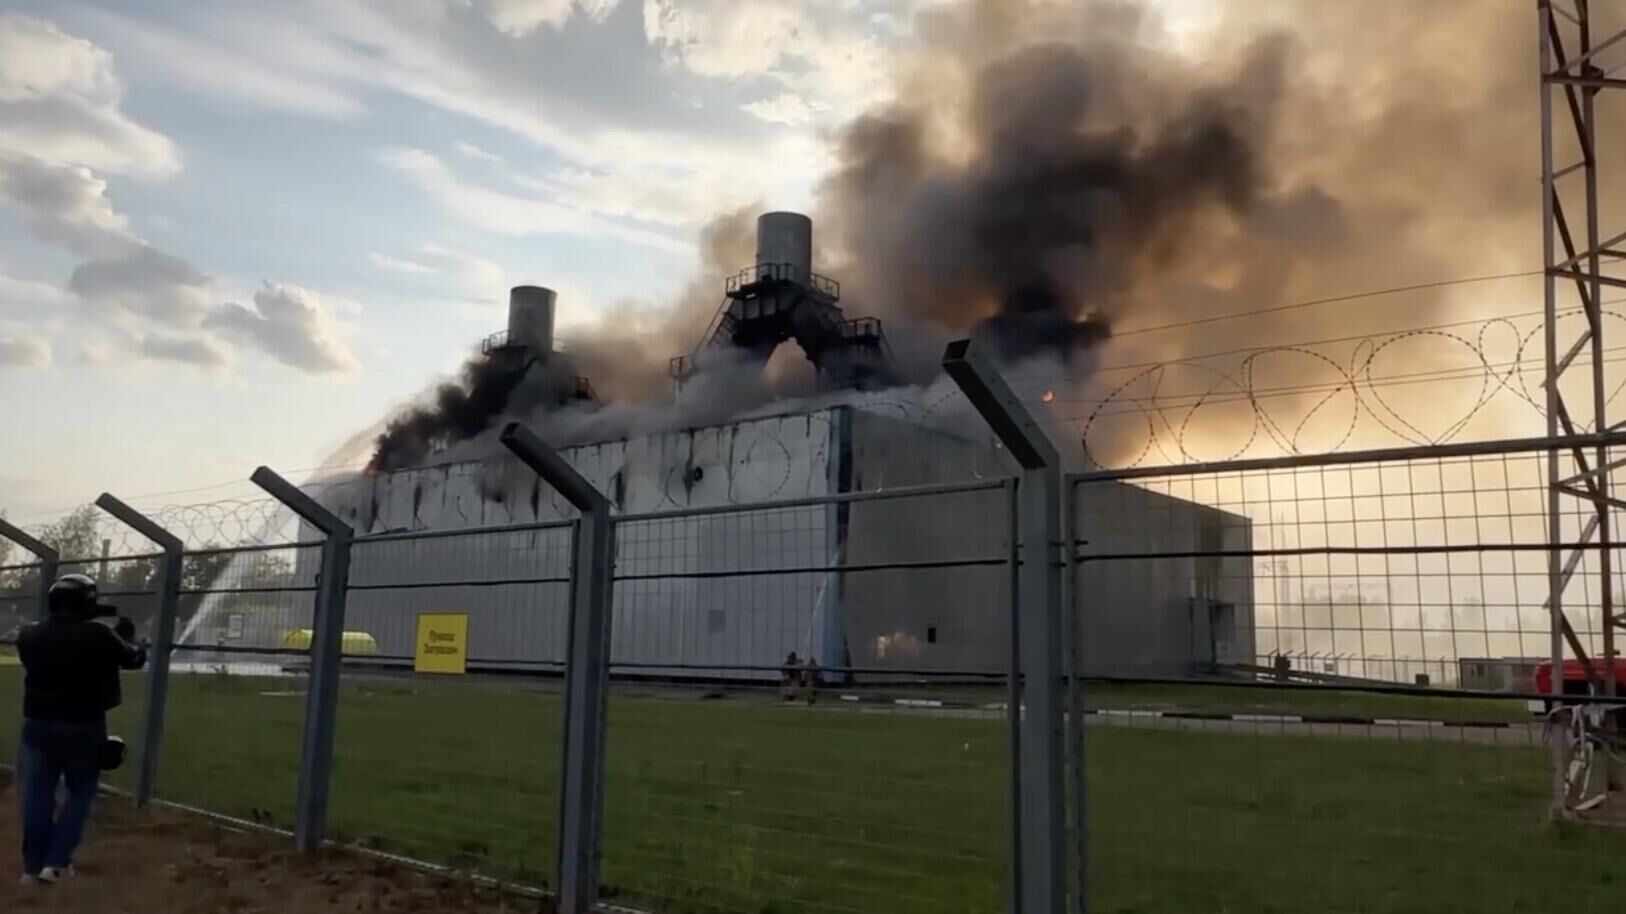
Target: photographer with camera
point(71, 663)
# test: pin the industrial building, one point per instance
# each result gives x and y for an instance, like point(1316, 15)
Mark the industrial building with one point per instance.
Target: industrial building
point(729, 594)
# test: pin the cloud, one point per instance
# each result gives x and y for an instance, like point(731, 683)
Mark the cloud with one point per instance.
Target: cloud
point(293, 326)
point(199, 352)
point(785, 108)
point(66, 204)
point(479, 271)
point(643, 124)
point(476, 153)
point(29, 292)
point(60, 127)
point(208, 67)
point(145, 282)
point(122, 279)
point(18, 351)
point(137, 294)
point(400, 265)
point(508, 213)
point(835, 54)
point(725, 38)
point(477, 280)
point(60, 98)
point(522, 17)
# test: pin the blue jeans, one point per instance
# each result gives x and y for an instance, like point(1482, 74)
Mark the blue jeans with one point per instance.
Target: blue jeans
point(57, 753)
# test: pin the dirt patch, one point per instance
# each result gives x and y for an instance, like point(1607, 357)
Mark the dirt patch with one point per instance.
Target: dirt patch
point(168, 862)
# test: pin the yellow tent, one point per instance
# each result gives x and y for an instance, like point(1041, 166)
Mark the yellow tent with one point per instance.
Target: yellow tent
point(355, 643)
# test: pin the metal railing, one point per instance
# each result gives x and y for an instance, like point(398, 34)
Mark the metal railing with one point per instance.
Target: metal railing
point(782, 272)
point(504, 339)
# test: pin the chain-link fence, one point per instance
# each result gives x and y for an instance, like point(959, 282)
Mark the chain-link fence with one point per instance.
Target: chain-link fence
point(1421, 569)
point(461, 772)
point(749, 766)
point(1304, 683)
point(238, 681)
point(1309, 754)
point(19, 603)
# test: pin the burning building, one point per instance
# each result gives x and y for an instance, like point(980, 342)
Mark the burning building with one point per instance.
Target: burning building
point(730, 552)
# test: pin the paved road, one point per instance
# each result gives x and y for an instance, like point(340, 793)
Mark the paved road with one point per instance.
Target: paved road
point(1492, 734)
point(1265, 725)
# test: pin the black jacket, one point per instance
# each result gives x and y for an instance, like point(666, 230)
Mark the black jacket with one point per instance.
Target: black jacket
point(72, 666)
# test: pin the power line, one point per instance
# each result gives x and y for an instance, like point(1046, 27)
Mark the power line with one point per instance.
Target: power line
point(1376, 293)
point(1354, 338)
point(1354, 385)
point(192, 491)
point(1355, 377)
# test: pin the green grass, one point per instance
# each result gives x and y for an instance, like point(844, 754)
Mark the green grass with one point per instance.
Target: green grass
point(746, 806)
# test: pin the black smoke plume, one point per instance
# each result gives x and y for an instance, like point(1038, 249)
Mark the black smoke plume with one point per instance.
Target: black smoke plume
point(458, 411)
point(625, 358)
point(1049, 175)
point(1040, 211)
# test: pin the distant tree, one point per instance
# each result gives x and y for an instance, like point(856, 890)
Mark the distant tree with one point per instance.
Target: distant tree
point(1469, 614)
point(200, 575)
point(202, 572)
point(75, 536)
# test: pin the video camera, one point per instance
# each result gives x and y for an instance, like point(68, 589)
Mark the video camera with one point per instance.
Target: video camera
point(109, 615)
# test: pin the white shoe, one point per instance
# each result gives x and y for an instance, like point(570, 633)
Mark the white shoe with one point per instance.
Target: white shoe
point(52, 874)
point(28, 882)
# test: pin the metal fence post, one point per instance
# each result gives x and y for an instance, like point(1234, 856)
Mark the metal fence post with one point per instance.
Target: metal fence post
point(326, 652)
point(1076, 706)
point(587, 667)
point(163, 638)
point(1013, 691)
point(48, 557)
point(1043, 805)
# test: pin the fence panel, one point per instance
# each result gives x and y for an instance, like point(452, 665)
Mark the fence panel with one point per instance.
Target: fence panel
point(128, 584)
point(1433, 567)
point(1249, 632)
point(238, 677)
point(459, 769)
point(19, 600)
point(863, 774)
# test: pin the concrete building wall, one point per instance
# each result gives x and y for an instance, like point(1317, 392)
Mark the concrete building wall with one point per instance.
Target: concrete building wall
point(752, 460)
point(694, 601)
point(1166, 610)
point(674, 618)
point(950, 619)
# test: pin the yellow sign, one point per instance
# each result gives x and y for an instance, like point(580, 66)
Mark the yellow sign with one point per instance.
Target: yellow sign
point(443, 644)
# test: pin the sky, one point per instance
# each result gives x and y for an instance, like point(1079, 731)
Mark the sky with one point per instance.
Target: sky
point(243, 233)
point(240, 233)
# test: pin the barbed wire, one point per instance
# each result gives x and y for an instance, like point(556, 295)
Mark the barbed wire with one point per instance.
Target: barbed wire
point(788, 455)
point(1299, 418)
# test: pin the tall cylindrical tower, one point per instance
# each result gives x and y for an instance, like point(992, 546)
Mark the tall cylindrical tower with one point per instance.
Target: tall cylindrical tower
point(530, 318)
point(786, 238)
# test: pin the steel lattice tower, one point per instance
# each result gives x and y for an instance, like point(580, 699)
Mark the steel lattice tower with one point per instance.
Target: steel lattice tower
point(1583, 59)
